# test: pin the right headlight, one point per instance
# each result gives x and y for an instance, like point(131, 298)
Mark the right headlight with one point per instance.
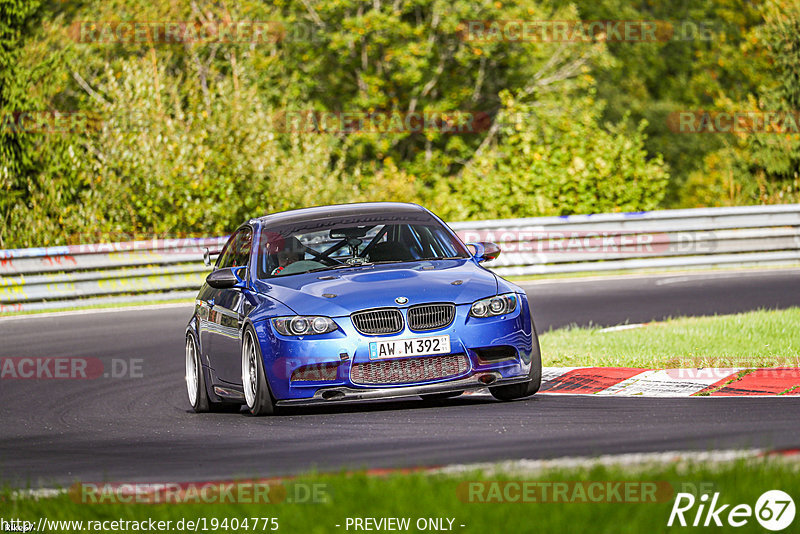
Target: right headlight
point(493, 306)
point(304, 325)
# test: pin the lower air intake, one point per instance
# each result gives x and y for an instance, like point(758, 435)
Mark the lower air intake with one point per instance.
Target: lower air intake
point(409, 370)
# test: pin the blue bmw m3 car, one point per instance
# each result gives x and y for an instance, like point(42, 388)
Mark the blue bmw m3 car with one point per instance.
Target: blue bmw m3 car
point(354, 302)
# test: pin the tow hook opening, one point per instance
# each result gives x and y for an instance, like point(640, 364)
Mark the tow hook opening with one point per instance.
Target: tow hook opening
point(333, 394)
point(487, 379)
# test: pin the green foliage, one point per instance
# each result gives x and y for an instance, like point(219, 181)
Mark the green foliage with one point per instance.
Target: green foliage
point(15, 150)
point(558, 160)
point(759, 167)
point(776, 157)
point(38, 178)
point(412, 56)
point(171, 156)
point(187, 141)
point(15, 16)
point(708, 55)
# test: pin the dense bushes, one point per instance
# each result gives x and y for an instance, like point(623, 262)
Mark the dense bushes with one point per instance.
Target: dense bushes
point(184, 138)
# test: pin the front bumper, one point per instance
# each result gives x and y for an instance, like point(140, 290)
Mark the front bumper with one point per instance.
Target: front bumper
point(336, 394)
point(346, 348)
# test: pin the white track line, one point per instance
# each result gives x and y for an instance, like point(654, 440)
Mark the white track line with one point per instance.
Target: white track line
point(608, 460)
point(36, 494)
point(622, 327)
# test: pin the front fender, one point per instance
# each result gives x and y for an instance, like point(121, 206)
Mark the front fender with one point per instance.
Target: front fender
point(267, 308)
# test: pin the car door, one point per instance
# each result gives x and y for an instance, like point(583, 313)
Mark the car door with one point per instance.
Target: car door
point(226, 311)
point(208, 297)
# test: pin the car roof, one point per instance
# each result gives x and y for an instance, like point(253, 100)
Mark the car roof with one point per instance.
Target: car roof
point(337, 210)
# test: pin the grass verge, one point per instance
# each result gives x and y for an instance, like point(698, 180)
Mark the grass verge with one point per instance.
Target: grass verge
point(753, 339)
point(481, 503)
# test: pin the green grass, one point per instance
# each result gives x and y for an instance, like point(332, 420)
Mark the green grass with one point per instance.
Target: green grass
point(754, 339)
point(420, 495)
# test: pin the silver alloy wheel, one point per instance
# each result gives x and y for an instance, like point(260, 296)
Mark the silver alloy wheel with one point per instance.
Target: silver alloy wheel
point(249, 370)
point(191, 370)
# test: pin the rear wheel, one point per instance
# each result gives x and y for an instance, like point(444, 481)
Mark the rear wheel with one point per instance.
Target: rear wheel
point(195, 378)
point(526, 389)
point(254, 380)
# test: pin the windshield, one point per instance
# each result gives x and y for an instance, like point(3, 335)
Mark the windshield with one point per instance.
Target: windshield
point(327, 244)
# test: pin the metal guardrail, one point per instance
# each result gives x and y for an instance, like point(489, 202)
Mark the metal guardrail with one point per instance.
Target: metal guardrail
point(135, 271)
point(691, 238)
point(75, 275)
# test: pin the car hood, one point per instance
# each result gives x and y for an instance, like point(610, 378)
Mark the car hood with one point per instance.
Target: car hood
point(375, 286)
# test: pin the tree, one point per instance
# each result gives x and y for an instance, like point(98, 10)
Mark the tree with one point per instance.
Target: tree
point(16, 149)
point(704, 53)
point(558, 159)
point(760, 166)
point(776, 156)
point(186, 141)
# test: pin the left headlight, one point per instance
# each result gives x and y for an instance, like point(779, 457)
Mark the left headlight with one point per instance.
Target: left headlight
point(493, 306)
point(303, 325)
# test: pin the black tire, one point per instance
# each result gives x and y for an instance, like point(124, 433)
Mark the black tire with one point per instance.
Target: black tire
point(258, 397)
point(196, 385)
point(440, 396)
point(525, 389)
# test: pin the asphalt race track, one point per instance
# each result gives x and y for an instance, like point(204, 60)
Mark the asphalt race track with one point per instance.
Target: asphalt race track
point(639, 299)
point(141, 429)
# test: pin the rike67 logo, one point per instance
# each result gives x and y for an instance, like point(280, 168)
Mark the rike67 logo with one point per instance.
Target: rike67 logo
point(774, 510)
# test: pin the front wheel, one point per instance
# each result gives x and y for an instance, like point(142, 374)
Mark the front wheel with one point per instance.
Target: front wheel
point(526, 389)
point(254, 380)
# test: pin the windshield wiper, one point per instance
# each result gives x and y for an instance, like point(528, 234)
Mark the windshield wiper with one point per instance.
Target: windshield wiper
point(419, 259)
point(335, 267)
point(382, 262)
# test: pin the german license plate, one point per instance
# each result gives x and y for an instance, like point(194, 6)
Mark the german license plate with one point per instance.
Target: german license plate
point(418, 346)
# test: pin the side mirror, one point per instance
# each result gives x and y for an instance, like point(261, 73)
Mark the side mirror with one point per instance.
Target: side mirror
point(207, 256)
point(485, 251)
point(224, 278)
